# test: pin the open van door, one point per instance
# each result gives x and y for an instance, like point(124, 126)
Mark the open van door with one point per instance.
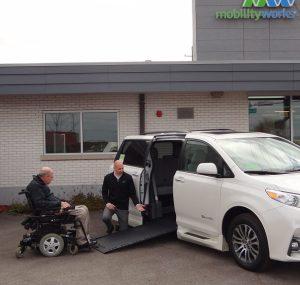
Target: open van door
point(133, 155)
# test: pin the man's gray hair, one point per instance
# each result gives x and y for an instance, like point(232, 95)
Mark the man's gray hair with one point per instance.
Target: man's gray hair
point(45, 171)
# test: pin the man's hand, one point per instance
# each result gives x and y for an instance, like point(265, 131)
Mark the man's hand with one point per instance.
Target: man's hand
point(111, 206)
point(65, 205)
point(140, 207)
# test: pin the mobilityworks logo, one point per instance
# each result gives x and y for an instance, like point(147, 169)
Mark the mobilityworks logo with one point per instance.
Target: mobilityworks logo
point(274, 9)
point(268, 3)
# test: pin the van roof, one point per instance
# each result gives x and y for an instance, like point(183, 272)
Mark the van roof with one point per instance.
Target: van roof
point(150, 136)
point(227, 135)
point(212, 133)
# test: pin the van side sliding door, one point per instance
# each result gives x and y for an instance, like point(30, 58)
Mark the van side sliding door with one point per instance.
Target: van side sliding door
point(132, 153)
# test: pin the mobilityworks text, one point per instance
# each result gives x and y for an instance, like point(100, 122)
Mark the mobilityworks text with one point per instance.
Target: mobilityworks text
point(255, 14)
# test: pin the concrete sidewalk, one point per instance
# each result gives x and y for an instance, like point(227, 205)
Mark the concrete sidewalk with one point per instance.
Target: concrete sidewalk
point(165, 260)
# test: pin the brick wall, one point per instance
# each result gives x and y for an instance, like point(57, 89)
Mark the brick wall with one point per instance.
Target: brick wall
point(229, 111)
point(21, 131)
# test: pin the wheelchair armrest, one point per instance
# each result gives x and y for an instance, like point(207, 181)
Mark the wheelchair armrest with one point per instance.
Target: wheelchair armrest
point(23, 192)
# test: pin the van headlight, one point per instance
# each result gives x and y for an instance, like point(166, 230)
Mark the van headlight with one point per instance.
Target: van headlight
point(289, 199)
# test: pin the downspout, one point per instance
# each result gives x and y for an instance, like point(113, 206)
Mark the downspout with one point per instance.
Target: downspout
point(142, 113)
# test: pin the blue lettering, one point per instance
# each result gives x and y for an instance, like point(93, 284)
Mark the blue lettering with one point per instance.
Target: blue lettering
point(266, 14)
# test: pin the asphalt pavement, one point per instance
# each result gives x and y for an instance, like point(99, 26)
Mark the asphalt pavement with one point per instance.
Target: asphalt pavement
point(164, 260)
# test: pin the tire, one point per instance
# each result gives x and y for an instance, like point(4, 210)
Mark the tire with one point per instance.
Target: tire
point(248, 243)
point(72, 249)
point(51, 245)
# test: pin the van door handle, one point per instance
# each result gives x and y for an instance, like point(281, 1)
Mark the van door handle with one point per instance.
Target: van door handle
point(179, 179)
point(135, 174)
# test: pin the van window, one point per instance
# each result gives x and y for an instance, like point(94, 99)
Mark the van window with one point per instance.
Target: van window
point(164, 149)
point(133, 152)
point(197, 152)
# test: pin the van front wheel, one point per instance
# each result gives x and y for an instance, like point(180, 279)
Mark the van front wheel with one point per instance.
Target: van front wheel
point(248, 242)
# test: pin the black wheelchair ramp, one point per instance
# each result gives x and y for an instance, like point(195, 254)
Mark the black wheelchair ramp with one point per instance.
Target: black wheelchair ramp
point(136, 235)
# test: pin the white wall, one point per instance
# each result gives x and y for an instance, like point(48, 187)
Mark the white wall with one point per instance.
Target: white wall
point(22, 133)
point(21, 136)
point(229, 111)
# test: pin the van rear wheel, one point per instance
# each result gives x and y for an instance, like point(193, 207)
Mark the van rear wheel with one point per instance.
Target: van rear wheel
point(248, 242)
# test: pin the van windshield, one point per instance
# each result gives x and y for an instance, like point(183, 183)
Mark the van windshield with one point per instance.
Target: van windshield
point(263, 155)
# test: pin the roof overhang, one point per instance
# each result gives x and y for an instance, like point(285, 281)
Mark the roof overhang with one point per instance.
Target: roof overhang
point(149, 77)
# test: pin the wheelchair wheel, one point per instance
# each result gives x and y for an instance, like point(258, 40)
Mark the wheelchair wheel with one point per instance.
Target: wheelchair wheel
point(72, 249)
point(51, 245)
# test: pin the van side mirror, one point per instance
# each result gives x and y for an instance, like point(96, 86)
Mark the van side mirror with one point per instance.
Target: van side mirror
point(207, 169)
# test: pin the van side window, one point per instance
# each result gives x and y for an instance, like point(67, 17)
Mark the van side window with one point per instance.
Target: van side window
point(134, 152)
point(197, 152)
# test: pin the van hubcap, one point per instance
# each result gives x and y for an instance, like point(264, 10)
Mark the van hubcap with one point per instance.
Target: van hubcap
point(245, 243)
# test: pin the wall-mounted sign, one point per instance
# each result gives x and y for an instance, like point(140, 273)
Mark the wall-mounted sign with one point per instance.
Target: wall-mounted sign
point(260, 9)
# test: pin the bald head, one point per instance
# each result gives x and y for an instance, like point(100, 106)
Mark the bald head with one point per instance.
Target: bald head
point(118, 167)
point(46, 174)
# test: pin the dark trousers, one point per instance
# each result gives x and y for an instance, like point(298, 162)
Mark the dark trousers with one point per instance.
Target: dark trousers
point(122, 218)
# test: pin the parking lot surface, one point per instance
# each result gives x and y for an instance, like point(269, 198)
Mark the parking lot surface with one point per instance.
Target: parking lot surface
point(164, 260)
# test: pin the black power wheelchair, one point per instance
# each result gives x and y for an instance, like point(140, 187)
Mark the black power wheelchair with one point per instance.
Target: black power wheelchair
point(49, 232)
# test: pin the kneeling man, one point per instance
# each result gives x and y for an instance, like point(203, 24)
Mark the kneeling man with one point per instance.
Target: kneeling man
point(117, 188)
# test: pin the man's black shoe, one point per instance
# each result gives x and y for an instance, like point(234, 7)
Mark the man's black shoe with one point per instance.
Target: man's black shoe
point(83, 246)
point(87, 244)
point(110, 230)
point(92, 242)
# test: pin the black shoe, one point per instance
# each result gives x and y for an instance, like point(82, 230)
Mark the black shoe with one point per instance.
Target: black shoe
point(110, 230)
point(87, 245)
point(83, 246)
point(92, 242)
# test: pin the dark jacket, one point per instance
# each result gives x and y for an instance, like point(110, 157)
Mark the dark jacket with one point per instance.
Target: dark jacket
point(119, 192)
point(41, 196)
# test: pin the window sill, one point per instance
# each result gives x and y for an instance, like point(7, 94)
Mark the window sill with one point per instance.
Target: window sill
point(59, 157)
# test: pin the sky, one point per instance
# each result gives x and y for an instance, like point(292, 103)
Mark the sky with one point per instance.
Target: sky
point(54, 31)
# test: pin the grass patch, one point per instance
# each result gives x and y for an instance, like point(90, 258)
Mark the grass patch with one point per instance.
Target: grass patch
point(92, 201)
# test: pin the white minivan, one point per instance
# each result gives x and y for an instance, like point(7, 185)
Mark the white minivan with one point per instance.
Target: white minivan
point(227, 190)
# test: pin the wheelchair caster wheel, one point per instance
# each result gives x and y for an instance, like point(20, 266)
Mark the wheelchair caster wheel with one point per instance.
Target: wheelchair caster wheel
point(72, 249)
point(51, 245)
point(19, 252)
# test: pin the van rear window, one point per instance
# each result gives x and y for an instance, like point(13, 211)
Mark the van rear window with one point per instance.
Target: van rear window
point(133, 152)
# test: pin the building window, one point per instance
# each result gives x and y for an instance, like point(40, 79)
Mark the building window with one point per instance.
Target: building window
point(81, 132)
point(270, 115)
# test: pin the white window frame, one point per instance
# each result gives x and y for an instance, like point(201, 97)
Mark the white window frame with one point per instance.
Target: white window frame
point(81, 130)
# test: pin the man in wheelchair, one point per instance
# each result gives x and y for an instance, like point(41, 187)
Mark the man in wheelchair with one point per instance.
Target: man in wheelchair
point(55, 224)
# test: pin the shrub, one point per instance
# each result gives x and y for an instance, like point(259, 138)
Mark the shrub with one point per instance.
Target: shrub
point(92, 201)
point(18, 208)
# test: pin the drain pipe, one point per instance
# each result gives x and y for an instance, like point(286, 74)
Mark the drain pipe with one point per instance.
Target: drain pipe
point(142, 113)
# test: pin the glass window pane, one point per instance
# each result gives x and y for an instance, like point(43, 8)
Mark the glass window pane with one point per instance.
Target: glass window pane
point(164, 149)
point(198, 152)
point(100, 131)
point(270, 116)
point(62, 132)
point(134, 153)
point(296, 119)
